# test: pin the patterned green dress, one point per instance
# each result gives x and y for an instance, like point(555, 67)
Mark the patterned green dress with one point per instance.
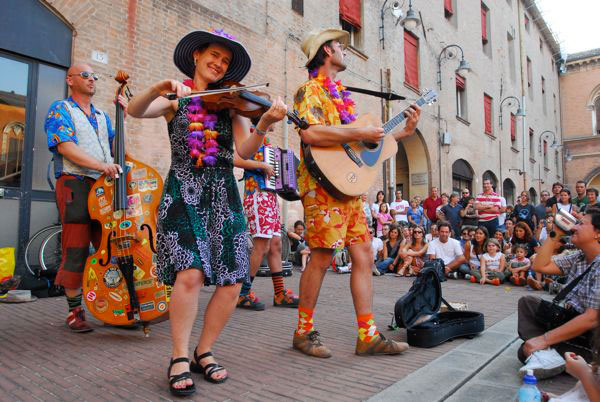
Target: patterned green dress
point(200, 220)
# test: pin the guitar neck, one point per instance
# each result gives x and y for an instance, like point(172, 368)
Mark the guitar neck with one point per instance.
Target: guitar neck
point(400, 117)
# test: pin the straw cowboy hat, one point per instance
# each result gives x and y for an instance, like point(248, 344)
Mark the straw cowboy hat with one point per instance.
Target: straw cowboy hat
point(311, 44)
point(183, 56)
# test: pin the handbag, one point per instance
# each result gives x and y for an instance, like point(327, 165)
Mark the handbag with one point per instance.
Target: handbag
point(551, 314)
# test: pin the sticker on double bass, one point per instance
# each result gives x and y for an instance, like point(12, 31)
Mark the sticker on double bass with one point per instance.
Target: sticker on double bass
point(149, 306)
point(139, 174)
point(99, 191)
point(101, 304)
point(161, 306)
point(134, 206)
point(147, 185)
point(90, 296)
point(112, 277)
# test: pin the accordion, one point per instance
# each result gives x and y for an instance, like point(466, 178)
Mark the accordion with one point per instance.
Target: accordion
point(283, 183)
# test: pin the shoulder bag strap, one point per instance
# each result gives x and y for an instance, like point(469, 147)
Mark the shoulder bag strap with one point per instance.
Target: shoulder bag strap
point(567, 289)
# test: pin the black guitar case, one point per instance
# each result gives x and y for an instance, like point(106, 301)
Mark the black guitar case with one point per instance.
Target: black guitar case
point(417, 311)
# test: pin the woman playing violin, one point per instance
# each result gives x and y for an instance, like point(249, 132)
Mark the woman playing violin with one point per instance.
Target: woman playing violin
point(201, 234)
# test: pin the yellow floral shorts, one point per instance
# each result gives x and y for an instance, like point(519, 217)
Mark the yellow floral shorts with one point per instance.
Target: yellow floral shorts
point(331, 223)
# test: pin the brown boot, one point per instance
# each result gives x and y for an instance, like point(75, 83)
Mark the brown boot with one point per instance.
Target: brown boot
point(311, 345)
point(76, 321)
point(380, 346)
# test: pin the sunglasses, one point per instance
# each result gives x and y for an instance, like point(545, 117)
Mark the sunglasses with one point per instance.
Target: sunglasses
point(417, 231)
point(86, 74)
point(465, 192)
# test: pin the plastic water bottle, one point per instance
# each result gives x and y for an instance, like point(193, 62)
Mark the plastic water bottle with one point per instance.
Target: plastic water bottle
point(529, 392)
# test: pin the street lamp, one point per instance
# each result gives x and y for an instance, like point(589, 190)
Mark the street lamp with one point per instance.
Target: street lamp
point(411, 21)
point(396, 12)
point(554, 143)
point(520, 112)
point(463, 66)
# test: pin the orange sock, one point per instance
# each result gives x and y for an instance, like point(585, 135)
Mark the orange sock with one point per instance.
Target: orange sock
point(367, 330)
point(305, 321)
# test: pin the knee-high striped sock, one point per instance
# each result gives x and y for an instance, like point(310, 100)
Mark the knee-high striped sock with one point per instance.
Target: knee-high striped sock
point(246, 287)
point(367, 330)
point(305, 320)
point(74, 302)
point(278, 286)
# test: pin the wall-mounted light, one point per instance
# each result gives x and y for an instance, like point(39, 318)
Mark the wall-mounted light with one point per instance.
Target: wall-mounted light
point(411, 21)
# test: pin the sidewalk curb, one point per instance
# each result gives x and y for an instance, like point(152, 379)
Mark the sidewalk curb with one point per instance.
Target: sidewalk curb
point(445, 375)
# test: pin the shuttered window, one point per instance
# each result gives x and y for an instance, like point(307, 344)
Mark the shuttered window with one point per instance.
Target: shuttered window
point(484, 34)
point(526, 22)
point(448, 8)
point(460, 82)
point(487, 108)
point(411, 60)
point(513, 127)
point(529, 72)
point(350, 12)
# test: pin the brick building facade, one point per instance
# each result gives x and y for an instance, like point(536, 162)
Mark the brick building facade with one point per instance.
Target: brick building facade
point(506, 43)
point(580, 108)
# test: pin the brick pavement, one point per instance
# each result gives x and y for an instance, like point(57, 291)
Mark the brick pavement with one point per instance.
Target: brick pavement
point(41, 360)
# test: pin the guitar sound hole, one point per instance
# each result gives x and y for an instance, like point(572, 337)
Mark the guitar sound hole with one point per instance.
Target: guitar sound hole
point(370, 145)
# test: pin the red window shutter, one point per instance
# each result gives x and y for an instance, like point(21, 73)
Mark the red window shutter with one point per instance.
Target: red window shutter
point(529, 72)
point(487, 107)
point(513, 127)
point(484, 37)
point(411, 60)
point(531, 132)
point(350, 12)
point(526, 21)
point(448, 8)
point(460, 83)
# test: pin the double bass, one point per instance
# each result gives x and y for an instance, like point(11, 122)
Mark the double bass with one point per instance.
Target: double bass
point(120, 285)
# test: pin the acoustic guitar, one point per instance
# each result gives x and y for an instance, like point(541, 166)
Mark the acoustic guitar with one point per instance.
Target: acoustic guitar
point(348, 170)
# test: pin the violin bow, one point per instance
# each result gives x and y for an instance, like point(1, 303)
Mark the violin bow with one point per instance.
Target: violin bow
point(194, 94)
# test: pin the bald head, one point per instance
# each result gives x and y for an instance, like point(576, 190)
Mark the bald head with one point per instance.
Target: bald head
point(81, 86)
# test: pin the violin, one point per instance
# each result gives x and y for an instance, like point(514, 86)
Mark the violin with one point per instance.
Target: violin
point(233, 95)
point(120, 284)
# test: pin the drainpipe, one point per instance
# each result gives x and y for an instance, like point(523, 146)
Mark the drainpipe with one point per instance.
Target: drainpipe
point(522, 55)
point(285, 206)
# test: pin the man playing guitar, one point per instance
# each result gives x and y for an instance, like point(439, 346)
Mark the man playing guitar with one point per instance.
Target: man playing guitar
point(333, 223)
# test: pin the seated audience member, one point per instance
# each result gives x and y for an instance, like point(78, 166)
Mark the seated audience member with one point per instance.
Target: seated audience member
point(564, 203)
point(509, 227)
point(367, 209)
point(504, 245)
point(406, 234)
point(522, 235)
point(385, 231)
point(545, 227)
point(491, 265)
point(391, 248)
point(592, 195)
point(546, 339)
point(438, 210)
point(464, 238)
point(383, 217)
point(416, 215)
point(298, 245)
point(413, 254)
point(519, 266)
point(469, 214)
point(474, 250)
point(377, 249)
point(448, 249)
point(433, 233)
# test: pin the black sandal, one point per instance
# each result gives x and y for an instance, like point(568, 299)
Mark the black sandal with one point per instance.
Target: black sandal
point(187, 391)
point(208, 370)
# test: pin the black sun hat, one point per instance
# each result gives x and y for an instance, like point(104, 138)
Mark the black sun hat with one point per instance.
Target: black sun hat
point(183, 56)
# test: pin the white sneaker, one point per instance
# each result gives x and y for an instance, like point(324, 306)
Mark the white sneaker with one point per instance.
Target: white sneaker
point(375, 270)
point(468, 276)
point(544, 363)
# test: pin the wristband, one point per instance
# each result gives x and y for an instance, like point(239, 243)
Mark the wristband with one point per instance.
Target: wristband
point(259, 132)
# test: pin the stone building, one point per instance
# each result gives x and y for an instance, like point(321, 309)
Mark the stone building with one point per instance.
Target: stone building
point(460, 140)
point(580, 108)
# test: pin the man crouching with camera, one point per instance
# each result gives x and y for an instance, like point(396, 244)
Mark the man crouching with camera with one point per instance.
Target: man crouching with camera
point(551, 328)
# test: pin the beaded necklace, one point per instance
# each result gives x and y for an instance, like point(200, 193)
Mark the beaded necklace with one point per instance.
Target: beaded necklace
point(338, 94)
point(202, 137)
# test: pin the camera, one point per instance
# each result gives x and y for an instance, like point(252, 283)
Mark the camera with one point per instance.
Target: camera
point(565, 221)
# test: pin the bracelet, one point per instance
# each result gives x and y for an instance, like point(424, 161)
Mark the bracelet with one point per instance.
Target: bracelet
point(545, 339)
point(261, 133)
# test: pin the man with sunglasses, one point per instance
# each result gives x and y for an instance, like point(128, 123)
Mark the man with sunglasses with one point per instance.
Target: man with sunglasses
point(466, 195)
point(80, 137)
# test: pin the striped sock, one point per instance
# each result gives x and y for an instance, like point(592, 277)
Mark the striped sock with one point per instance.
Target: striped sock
point(305, 321)
point(246, 287)
point(277, 279)
point(74, 302)
point(367, 330)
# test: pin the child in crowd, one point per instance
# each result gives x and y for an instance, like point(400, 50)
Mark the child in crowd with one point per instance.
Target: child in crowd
point(518, 266)
point(383, 217)
point(475, 249)
point(433, 233)
point(492, 265)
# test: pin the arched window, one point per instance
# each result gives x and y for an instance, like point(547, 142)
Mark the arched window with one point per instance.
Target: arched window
point(532, 196)
point(596, 116)
point(508, 191)
point(462, 176)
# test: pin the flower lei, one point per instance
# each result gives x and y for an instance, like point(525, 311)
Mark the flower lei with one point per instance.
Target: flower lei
point(343, 103)
point(202, 137)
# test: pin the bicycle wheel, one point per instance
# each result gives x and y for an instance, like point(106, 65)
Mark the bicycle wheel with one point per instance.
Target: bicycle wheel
point(32, 250)
point(51, 251)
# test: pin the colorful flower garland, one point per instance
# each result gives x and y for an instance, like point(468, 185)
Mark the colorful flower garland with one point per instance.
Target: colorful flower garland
point(344, 104)
point(202, 139)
